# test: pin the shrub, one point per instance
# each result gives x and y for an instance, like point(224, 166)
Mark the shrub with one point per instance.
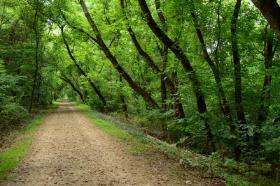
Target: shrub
point(12, 114)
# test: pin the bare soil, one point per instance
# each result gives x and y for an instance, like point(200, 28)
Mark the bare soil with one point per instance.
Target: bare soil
point(69, 150)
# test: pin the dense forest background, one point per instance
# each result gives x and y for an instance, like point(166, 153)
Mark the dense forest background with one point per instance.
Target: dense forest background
point(201, 74)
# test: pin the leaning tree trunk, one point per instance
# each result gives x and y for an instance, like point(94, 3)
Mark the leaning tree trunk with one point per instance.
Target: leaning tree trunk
point(175, 48)
point(96, 90)
point(269, 51)
point(99, 40)
point(179, 53)
point(77, 90)
point(148, 59)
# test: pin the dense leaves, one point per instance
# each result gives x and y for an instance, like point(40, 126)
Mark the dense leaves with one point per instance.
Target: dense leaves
point(201, 74)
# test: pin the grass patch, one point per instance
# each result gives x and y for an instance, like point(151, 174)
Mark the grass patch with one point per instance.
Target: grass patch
point(10, 157)
point(137, 143)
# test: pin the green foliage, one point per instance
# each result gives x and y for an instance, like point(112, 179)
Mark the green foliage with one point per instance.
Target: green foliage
point(270, 145)
point(33, 58)
point(12, 113)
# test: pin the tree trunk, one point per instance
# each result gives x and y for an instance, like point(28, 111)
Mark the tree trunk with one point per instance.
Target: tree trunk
point(175, 48)
point(122, 98)
point(271, 11)
point(237, 67)
point(179, 53)
point(237, 77)
point(164, 56)
point(148, 59)
point(215, 70)
point(67, 80)
point(268, 58)
point(37, 43)
point(146, 96)
point(39, 88)
point(96, 90)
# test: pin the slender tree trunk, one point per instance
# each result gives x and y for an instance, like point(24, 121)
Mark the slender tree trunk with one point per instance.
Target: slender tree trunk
point(39, 88)
point(219, 30)
point(268, 58)
point(215, 70)
point(164, 56)
point(163, 93)
point(237, 80)
point(268, 54)
point(237, 66)
point(37, 45)
point(146, 96)
point(148, 59)
point(96, 90)
point(122, 98)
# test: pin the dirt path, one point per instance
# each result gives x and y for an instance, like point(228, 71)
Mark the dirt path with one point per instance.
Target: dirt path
point(69, 150)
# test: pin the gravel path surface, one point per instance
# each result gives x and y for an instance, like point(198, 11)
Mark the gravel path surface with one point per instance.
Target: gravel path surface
point(69, 150)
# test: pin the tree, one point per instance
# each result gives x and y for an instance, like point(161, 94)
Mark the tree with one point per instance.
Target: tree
point(146, 96)
point(94, 87)
point(271, 11)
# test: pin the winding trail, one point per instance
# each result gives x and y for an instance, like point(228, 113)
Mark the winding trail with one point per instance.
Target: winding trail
point(69, 150)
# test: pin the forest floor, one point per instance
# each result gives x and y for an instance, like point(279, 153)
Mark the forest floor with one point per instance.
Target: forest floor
point(69, 150)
